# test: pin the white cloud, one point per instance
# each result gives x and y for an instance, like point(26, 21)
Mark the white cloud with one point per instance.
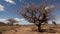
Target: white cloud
point(22, 21)
point(3, 20)
point(10, 1)
point(6, 21)
point(49, 7)
point(1, 7)
point(19, 19)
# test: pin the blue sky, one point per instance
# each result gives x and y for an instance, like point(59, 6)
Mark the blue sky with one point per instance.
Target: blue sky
point(8, 7)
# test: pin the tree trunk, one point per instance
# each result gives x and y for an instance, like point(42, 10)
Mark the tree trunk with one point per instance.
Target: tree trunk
point(39, 27)
point(12, 24)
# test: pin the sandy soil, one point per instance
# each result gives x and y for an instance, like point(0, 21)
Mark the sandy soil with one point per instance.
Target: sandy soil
point(29, 29)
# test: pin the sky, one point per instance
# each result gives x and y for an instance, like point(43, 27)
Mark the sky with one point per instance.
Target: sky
point(7, 8)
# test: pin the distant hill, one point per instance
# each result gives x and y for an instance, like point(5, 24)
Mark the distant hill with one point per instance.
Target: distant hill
point(1, 23)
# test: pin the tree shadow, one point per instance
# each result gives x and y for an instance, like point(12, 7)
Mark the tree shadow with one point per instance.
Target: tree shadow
point(52, 31)
point(41, 31)
point(45, 30)
point(0, 32)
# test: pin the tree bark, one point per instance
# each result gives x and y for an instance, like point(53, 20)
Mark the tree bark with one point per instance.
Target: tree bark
point(39, 27)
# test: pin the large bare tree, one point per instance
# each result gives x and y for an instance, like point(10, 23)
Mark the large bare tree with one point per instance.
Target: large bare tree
point(37, 15)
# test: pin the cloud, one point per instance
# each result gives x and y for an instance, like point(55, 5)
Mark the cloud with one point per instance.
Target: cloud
point(22, 21)
point(6, 21)
point(3, 20)
point(10, 1)
point(49, 7)
point(19, 19)
point(1, 7)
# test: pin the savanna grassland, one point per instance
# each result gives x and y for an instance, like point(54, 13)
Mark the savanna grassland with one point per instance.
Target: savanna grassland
point(29, 29)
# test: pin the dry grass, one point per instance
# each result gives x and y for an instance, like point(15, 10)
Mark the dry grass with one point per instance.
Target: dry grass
point(29, 29)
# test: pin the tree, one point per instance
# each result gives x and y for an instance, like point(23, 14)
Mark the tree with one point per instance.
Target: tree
point(54, 22)
point(37, 15)
point(12, 21)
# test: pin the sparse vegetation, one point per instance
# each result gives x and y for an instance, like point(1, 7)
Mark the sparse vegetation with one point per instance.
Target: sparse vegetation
point(38, 14)
point(29, 29)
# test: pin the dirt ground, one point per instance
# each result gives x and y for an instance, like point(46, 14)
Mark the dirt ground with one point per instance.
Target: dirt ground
point(29, 29)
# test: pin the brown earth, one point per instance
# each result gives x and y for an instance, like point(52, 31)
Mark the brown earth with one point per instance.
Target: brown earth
point(29, 29)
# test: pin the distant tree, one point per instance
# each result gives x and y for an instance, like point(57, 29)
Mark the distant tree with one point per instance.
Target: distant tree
point(37, 15)
point(12, 21)
point(54, 22)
